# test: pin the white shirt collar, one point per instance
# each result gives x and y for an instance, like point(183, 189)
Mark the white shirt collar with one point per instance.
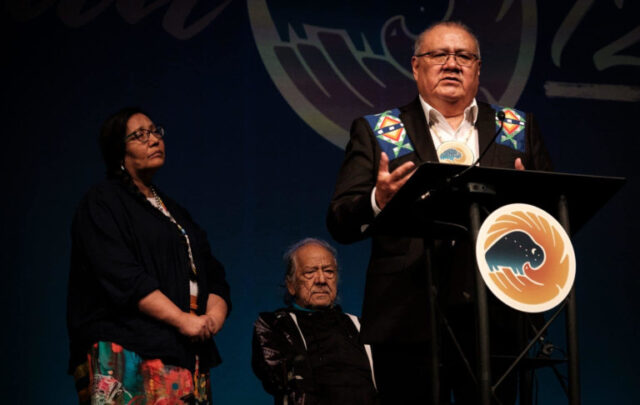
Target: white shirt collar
point(470, 113)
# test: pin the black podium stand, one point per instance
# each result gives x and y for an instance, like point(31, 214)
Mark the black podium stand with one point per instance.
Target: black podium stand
point(440, 201)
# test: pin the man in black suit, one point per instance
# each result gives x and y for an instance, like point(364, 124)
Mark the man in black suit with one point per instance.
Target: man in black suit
point(444, 123)
point(309, 353)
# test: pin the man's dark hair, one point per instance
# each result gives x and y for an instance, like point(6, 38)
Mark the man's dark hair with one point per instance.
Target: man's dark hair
point(457, 24)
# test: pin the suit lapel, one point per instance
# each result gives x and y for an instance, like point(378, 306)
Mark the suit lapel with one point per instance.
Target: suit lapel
point(486, 125)
point(415, 124)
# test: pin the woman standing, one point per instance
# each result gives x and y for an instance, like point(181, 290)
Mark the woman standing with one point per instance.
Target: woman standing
point(146, 296)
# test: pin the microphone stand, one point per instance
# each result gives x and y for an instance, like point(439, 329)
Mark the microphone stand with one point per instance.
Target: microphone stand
point(501, 117)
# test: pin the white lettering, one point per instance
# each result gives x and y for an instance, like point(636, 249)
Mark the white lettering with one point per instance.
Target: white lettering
point(72, 14)
point(75, 13)
point(25, 10)
point(176, 16)
point(133, 11)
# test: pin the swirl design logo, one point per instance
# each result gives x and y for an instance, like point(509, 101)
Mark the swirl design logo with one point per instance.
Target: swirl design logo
point(525, 257)
point(331, 70)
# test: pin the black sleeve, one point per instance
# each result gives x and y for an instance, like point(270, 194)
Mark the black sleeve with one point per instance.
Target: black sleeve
point(268, 358)
point(216, 278)
point(206, 263)
point(350, 206)
point(101, 228)
point(282, 371)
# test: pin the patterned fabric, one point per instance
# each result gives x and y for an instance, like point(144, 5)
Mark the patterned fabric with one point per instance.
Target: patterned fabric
point(113, 375)
point(513, 133)
point(390, 133)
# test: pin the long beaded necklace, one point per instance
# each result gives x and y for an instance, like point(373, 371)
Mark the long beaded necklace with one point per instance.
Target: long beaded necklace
point(454, 151)
point(163, 208)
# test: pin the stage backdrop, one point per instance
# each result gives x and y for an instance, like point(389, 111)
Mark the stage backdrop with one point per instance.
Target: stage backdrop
point(257, 98)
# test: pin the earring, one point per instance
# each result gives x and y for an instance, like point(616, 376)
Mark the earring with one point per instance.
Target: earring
point(122, 167)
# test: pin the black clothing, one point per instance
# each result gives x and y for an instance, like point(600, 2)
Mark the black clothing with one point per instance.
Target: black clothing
point(123, 248)
point(395, 314)
point(403, 373)
point(396, 306)
point(333, 369)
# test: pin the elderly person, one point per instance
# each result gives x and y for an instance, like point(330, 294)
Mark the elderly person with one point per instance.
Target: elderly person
point(145, 296)
point(443, 123)
point(310, 352)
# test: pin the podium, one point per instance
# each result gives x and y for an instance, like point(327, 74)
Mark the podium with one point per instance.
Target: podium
point(441, 201)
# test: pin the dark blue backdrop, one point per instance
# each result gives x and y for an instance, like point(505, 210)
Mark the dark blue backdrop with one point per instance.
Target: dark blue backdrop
point(253, 155)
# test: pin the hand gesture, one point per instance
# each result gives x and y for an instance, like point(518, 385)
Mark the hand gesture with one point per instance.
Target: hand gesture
point(388, 184)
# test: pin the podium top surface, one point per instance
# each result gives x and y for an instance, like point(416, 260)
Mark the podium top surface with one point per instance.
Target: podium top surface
point(440, 193)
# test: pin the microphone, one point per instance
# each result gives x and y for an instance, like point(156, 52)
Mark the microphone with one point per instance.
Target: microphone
point(447, 181)
point(501, 117)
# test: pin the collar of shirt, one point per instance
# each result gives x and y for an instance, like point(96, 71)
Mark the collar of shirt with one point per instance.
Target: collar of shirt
point(442, 132)
point(299, 308)
point(470, 113)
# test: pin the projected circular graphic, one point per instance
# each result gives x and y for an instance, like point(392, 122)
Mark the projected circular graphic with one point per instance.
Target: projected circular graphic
point(335, 61)
point(525, 258)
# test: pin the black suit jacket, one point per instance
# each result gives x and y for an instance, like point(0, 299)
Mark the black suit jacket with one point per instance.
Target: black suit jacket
point(395, 307)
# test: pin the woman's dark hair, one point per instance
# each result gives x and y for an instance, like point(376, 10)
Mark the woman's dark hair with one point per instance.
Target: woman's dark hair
point(111, 140)
point(112, 146)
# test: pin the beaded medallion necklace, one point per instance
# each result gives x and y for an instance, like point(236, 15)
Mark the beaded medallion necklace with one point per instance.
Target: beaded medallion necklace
point(163, 208)
point(454, 151)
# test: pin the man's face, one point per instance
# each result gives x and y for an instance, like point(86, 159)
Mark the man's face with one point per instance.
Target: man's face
point(316, 277)
point(449, 83)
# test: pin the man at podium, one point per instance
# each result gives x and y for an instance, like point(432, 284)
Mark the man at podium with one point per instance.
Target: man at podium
point(443, 123)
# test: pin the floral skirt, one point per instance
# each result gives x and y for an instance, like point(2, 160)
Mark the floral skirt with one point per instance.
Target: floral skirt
point(114, 375)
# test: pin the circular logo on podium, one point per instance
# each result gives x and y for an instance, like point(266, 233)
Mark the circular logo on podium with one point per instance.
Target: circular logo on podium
point(525, 257)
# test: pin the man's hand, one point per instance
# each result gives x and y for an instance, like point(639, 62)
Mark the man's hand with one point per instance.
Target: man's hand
point(388, 184)
point(518, 164)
